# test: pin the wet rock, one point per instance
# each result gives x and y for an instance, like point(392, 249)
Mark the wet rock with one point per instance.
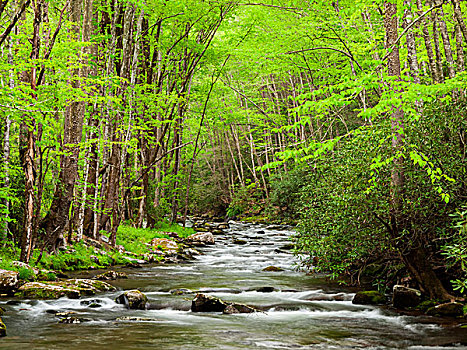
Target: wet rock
point(239, 241)
point(135, 319)
point(2, 328)
point(71, 320)
point(238, 309)
point(223, 226)
point(133, 265)
point(220, 290)
point(273, 269)
point(180, 291)
point(260, 232)
point(200, 238)
point(207, 303)
point(265, 289)
point(404, 297)
point(133, 299)
point(217, 232)
point(13, 302)
point(73, 289)
point(288, 246)
point(370, 297)
point(36, 290)
point(447, 310)
point(64, 313)
point(94, 303)
point(110, 275)
point(8, 281)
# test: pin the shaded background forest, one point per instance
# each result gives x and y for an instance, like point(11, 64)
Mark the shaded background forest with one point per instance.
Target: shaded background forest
point(300, 111)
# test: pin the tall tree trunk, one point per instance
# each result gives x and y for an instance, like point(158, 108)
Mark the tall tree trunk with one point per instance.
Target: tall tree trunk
point(410, 246)
point(435, 74)
point(446, 44)
point(28, 155)
point(58, 217)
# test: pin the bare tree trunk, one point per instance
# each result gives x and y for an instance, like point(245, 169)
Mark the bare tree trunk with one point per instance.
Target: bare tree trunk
point(438, 60)
point(410, 246)
point(58, 216)
point(446, 44)
point(411, 46)
point(28, 155)
point(435, 74)
point(460, 19)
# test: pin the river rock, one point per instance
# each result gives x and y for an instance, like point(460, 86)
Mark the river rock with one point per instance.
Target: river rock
point(110, 275)
point(73, 289)
point(273, 269)
point(370, 297)
point(223, 226)
point(180, 291)
point(207, 303)
point(8, 281)
point(135, 319)
point(265, 289)
point(72, 320)
point(239, 241)
point(94, 303)
point(200, 238)
point(133, 299)
point(404, 297)
point(238, 309)
point(447, 309)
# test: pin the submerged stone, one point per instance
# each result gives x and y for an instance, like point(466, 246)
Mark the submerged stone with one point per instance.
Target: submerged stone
point(370, 297)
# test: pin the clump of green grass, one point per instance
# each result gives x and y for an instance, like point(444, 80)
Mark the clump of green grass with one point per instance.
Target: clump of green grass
point(135, 239)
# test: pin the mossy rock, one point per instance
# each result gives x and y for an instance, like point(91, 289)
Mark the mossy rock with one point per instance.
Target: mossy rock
point(273, 269)
point(425, 305)
point(447, 310)
point(133, 299)
point(73, 289)
point(2, 328)
point(37, 290)
point(369, 297)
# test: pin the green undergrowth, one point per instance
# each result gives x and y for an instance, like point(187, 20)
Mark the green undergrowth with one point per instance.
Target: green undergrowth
point(79, 256)
point(135, 239)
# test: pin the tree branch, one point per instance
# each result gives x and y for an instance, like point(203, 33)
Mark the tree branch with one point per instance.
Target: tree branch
point(325, 48)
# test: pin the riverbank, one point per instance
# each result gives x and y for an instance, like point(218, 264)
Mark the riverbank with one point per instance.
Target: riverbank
point(298, 310)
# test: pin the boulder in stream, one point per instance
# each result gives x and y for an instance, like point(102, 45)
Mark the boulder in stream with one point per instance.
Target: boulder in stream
point(369, 297)
point(207, 303)
point(447, 310)
point(273, 269)
point(201, 238)
point(110, 275)
point(403, 297)
point(73, 289)
point(133, 299)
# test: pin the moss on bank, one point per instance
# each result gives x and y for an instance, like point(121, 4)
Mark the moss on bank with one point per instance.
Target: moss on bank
point(90, 254)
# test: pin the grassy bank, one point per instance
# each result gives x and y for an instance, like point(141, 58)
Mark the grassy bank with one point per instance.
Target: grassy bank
point(88, 254)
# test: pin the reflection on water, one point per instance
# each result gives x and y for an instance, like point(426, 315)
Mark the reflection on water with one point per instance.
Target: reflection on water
point(300, 311)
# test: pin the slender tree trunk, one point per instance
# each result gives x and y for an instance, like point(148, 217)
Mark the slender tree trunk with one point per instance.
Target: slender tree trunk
point(410, 246)
point(28, 155)
point(428, 46)
point(446, 44)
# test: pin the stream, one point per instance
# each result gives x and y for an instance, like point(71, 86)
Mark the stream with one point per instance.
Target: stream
point(301, 311)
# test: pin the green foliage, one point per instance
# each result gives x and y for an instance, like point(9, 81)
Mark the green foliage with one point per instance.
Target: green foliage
point(136, 239)
point(456, 250)
point(26, 274)
point(247, 201)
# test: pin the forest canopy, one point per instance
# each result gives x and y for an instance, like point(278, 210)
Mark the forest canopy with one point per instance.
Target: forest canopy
point(346, 117)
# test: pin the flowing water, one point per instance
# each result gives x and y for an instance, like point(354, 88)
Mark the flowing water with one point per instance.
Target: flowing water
point(302, 312)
